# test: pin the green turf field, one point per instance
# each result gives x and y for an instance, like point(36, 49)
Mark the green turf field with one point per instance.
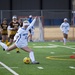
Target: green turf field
point(54, 59)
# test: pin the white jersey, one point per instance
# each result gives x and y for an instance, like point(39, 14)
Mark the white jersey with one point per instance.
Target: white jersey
point(65, 27)
point(21, 36)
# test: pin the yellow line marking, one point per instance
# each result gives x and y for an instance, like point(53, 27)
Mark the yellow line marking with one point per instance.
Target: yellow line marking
point(57, 58)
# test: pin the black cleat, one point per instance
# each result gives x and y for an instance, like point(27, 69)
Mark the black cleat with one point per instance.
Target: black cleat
point(31, 41)
point(3, 49)
point(18, 52)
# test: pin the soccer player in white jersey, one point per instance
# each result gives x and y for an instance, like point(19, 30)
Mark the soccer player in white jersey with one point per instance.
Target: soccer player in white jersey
point(21, 40)
point(65, 29)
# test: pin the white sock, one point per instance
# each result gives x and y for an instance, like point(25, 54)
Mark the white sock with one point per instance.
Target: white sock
point(31, 55)
point(64, 40)
point(4, 45)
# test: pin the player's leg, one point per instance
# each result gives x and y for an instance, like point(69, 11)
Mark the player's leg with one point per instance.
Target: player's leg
point(0, 37)
point(31, 54)
point(3, 38)
point(10, 40)
point(13, 46)
point(4, 46)
point(66, 35)
point(32, 33)
point(6, 38)
point(65, 38)
point(30, 36)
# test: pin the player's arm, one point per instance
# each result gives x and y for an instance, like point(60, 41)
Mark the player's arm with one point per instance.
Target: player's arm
point(61, 27)
point(17, 35)
point(9, 28)
point(31, 24)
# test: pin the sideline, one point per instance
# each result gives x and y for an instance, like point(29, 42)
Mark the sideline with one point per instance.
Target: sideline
point(9, 69)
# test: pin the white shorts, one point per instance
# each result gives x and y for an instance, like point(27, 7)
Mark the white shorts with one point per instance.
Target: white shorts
point(21, 45)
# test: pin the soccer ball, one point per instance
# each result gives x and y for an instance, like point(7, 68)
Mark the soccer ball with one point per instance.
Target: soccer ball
point(26, 60)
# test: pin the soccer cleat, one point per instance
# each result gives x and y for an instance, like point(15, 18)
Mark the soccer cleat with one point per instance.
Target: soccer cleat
point(3, 49)
point(35, 62)
point(17, 51)
point(31, 40)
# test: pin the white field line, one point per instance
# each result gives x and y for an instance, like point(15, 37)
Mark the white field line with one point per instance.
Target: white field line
point(63, 46)
point(72, 67)
point(54, 46)
point(9, 69)
point(40, 67)
point(68, 47)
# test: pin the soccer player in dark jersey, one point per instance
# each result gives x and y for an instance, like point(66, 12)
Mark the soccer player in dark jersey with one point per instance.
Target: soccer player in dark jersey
point(12, 29)
point(3, 28)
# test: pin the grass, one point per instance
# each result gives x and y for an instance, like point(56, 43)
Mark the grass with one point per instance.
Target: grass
point(54, 60)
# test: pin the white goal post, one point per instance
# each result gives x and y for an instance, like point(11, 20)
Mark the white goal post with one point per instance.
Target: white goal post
point(38, 28)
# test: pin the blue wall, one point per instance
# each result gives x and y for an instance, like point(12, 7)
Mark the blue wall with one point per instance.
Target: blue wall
point(52, 22)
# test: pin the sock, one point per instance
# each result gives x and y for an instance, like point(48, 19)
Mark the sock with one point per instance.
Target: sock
point(31, 55)
point(4, 45)
point(64, 40)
